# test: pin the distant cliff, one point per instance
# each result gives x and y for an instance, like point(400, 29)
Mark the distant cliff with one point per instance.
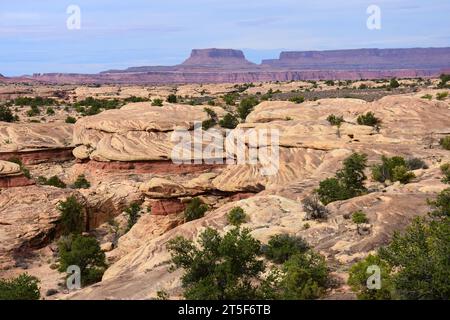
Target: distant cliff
point(228, 65)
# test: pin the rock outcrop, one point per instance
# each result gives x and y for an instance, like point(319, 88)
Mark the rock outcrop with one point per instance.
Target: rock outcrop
point(217, 58)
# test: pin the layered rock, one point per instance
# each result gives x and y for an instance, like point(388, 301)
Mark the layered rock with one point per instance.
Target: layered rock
point(221, 58)
point(11, 175)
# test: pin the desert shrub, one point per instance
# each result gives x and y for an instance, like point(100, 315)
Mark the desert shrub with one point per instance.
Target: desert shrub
point(441, 95)
point(402, 174)
point(420, 258)
point(230, 98)
point(445, 143)
point(363, 86)
point(71, 119)
point(50, 111)
point(95, 106)
point(305, 277)
point(368, 119)
point(133, 215)
point(196, 209)
point(208, 124)
point(445, 168)
point(441, 205)
point(427, 96)
point(297, 99)
point(281, 248)
point(246, 106)
point(335, 120)
point(229, 121)
point(444, 79)
point(81, 183)
point(25, 171)
point(329, 82)
point(52, 181)
point(6, 114)
point(172, 98)
point(157, 103)
point(24, 287)
point(72, 217)
point(392, 169)
point(358, 276)
point(135, 99)
point(221, 267)
point(348, 182)
point(394, 83)
point(416, 163)
point(33, 112)
point(212, 121)
point(34, 102)
point(359, 217)
point(85, 253)
point(314, 209)
point(237, 216)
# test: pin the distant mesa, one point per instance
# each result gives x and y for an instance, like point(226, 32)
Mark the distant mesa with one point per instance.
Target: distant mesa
point(217, 58)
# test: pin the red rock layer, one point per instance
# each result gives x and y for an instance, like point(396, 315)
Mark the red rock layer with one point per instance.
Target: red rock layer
point(39, 156)
point(15, 181)
point(167, 206)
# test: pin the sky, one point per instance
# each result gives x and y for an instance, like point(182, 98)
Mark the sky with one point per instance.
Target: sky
point(116, 34)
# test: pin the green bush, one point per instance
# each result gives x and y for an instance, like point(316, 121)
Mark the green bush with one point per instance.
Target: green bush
point(236, 216)
point(52, 181)
point(172, 98)
point(358, 276)
point(50, 111)
point(85, 253)
point(196, 209)
point(246, 107)
point(133, 215)
point(212, 121)
point(348, 182)
point(157, 103)
point(282, 247)
point(221, 268)
point(305, 277)
point(416, 163)
point(33, 112)
point(6, 114)
point(392, 169)
point(444, 79)
point(441, 95)
point(135, 99)
point(297, 99)
point(71, 119)
point(229, 121)
point(427, 96)
point(335, 120)
point(72, 218)
point(24, 287)
point(394, 83)
point(230, 98)
point(445, 143)
point(445, 168)
point(34, 102)
point(368, 119)
point(441, 206)
point(359, 217)
point(81, 183)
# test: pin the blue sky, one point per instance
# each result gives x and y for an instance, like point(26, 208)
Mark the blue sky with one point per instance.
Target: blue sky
point(119, 34)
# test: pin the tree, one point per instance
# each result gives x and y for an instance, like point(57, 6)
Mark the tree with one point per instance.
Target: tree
point(85, 253)
point(368, 119)
point(282, 247)
point(71, 216)
point(441, 206)
point(445, 168)
point(172, 98)
point(133, 212)
point(305, 276)
point(246, 106)
point(335, 120)
point(24, 287)
point(223, 268)
point(196, 209)
point(358, 276)
point(236, 216)
point(348, 182)
point(421, 258)
point(52, 181)
point(229, 121)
